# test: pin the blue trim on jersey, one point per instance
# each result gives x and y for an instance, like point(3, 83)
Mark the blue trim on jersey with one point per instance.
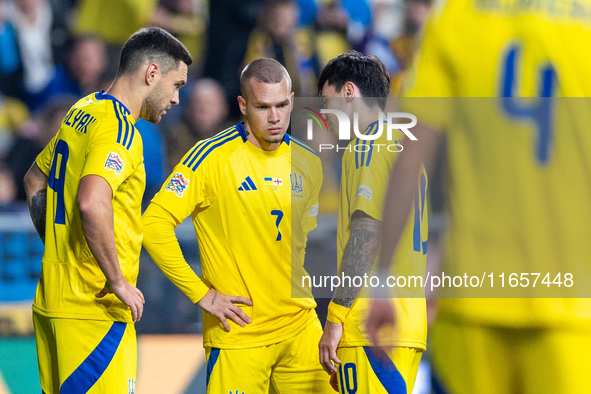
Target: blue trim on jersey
point(91, 369)
point(131, 138)
point(104, 96)
point(385, 370)
point(423, 199)
point(222, 142)
point(356, 154)
point(205, 144)
point(213, 358)
point(241, 130)
point(371, 146)
point(126, 125)
point(120, 108)
point(287, 138)
point(303, 145)
point(199, 144)
point(120, 123)
point(362, 153)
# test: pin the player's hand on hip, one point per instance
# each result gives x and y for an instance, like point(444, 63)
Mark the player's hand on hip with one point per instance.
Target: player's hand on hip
point(129, 295)
point(223, 307)
point(381, 313)
point(328, 346)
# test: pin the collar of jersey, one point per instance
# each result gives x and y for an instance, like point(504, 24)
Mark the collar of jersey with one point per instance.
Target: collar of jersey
point(371, 125)
point(104, 96)
point(260, 152)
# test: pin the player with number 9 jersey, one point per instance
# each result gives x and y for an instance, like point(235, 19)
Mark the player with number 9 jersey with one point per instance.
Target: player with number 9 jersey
point(97, 137)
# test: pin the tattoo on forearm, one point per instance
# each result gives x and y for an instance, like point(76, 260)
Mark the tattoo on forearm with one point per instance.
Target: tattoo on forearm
point(38, 209)
point(358, 257)
point(215, 295)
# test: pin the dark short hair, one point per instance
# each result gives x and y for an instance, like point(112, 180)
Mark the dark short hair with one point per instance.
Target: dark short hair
point(366, 71)
point(264, 70)
point(152, 44)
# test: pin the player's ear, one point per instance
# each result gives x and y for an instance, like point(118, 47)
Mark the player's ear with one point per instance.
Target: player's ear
point(152, 73)
point(242, 105)
point(291, 101)
point(349, 91)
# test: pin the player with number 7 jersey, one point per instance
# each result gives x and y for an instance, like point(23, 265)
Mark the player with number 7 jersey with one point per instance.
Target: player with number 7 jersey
point(252, 192)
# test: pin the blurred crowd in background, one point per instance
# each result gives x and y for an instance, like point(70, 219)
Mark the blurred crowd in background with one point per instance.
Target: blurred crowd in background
point(53, 52)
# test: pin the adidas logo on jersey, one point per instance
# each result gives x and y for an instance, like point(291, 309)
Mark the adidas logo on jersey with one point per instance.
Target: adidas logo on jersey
point(247, 185)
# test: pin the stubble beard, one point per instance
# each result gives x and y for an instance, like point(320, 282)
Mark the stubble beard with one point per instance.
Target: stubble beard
point(150, 107)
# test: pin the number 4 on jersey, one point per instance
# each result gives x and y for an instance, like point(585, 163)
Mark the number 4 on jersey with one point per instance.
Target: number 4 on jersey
point(541, 113)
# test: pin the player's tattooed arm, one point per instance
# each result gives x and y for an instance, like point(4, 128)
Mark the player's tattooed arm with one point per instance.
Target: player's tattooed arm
point(36, 187)
point(359, 255)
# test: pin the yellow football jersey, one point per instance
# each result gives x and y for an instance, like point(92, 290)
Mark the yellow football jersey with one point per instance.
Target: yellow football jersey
point(97, 137)
point(252, 210)
point(364, 182)
point(518, 168)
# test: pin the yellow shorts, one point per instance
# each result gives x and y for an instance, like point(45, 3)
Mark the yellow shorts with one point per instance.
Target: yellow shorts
point(471, 358)
point(374, 370)
point(288, 367)
point(85, 356)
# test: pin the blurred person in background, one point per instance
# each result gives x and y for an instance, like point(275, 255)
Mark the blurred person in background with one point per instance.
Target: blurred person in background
point(330, 38)
point(518, 167)
point(32, 20)
point(87, 62)
point(7, 189)
point(278, 37)
point(204, 115)
point(33, 136)
point(186, 20)
point(13, 115)
point(404, 46)
point(156, 165)
point(113, 21)
point(228, 32)
point(387, 24)
point(11, 67)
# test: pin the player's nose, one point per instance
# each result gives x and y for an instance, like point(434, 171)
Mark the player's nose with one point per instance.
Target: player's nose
point(273, 116)
point(175, 98)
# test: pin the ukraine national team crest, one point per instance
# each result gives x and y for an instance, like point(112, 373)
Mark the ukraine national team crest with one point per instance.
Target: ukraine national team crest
point(131, 386)
point(296, 183)
point(114, 163)
point(178, 184)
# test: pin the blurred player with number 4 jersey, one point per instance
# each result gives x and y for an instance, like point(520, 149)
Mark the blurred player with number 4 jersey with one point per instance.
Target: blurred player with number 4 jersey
point(359, 85)
point(519, 197)
point(84, 193)
point(252, 191)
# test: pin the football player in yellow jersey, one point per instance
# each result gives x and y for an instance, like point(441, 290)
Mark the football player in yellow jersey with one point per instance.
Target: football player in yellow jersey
point(518, 176)
point(252, 191)
point(355, 83)
point(84, 193)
